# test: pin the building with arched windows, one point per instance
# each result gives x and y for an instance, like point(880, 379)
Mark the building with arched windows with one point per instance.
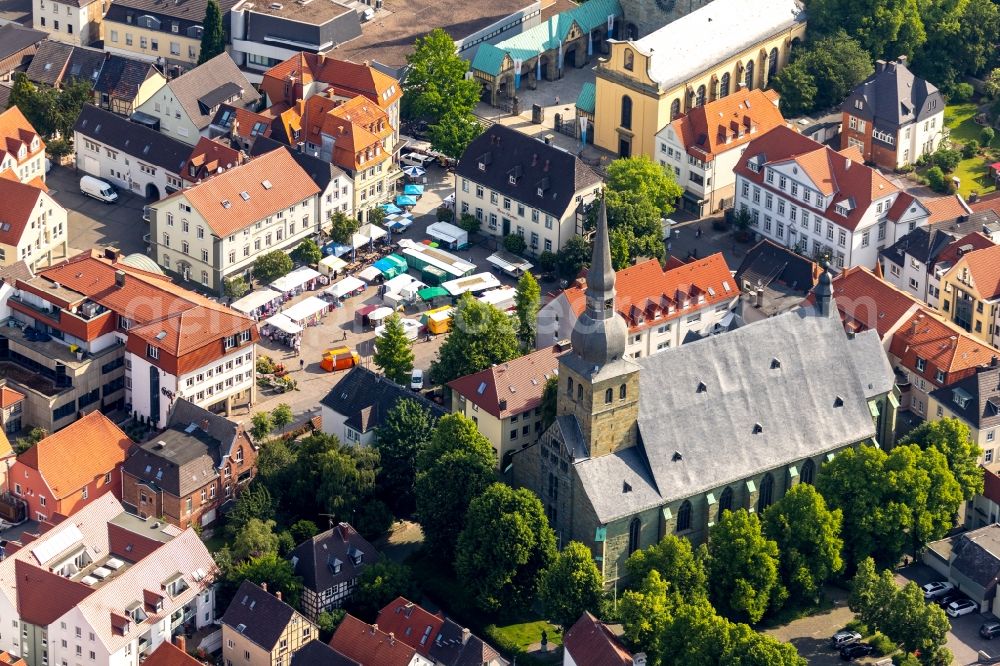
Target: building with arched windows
point(663, 444)
point(725, 46)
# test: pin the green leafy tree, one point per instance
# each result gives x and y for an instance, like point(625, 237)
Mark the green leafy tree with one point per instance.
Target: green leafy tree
point(743, 580)
point(937, 181)
point(636, 229)
point(506, 545)
point(991, 85)
point(986, 136)
point(648, 179)
point(35, 435)
point(514, 243)
point(281, 415)
point(303, 530)
point(58, 148)
point(255, 539)
point(470, 223)
point(329, 477)
point(885, 28)
point(573, 256)
point(676, 561)
point(454, 132)
point(379, 583)
point(571, 585)
point(952, 438)
point(393, 352)
point(480, 336)
point(620, 241)
point(526, 304)
point(797, 87)
point(69, 104)
point(435, 85)
point(261, 425)
point(915, 624)
point(22, 94)
point(455, 467)
point(445, 214)
point(328, 621)
point(547, 261)
point(946, 159)
point(376, 215)
point(342, 227)
point(254, 502)
point(235, 287)
point(271, 266)
point(213, 39)
point(891, 502)
point(405, 431)
point(822, 74)
point(270, 568)
point(746, 647)
point(646, 612)
point(807, 533)
point(307, 252)
point(273, 459)
point(550, 399)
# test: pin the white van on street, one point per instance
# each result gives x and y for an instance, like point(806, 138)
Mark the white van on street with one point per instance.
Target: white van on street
point(99, 189)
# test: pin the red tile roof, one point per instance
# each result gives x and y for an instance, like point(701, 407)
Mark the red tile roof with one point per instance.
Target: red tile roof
point(347, 78)
point(368, 645)
point(209, 158)
point(83, 451)
point(832, 173)
point(646, 290)
point(989, 201)
point(866, 302)
point(128, 545)
point(513, 387)
point(991, 486)
point(944, 209)
point(984, 269)
point(9, 397)
point(15, 132)
point(43, 597)
point(20, 202)
point(727, 122)
point(10, 660)
point(169, 654)
point(410, 623)
point(590, 643)
point(942, 346)
point(951, 253)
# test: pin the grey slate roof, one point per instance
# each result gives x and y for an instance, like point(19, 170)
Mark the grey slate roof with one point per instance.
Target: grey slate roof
point(784, 373)
point(318, 653)
point(262, 616)
point(134, 139)
point(767, 261)
point(312, 558)
point(219, 73)
point(320, 171)
point(363, 398)
point(923, 244)
point(986, 221)
point(448, 648)
point(982, 397)
point(49, 62)
point(121, 77)
point(976, 555)
point(893, 96)
point(871, 364)
point(536, 164)
point(15, 38)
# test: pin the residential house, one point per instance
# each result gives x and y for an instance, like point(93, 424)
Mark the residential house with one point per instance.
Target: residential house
point(353, 409)
point(57, 63)
point(265, 35)
point(773, 279)
point(644, 84)
point(105, 587)
point(970, 561)
point(259, 629)
point(917, 261)
point(639, 449)
point(217, 228)
point(11, 409)
point(806, 196)
point(171, 654)
point(17, 46)
point(186, 105)
point(124, 84)
point(515, 184)
point(370, 646)
point(102, 331)
point(329, 565)
point(127, 154)
point(74, 22)
point(33, 228)
point(8, 276)
point(970, 293)
point(505, 400)
point(209, 158)
point(241, 126)
point(435, 637)
point(946, 208)
point(974, 400)
point(188, 472)
point(318, 653)
point(168, 33)
point(662, 308)
point(589, 642)
point(66, 470)
point(893, 117)
point(21, 148)
point(702, 146)
point(985, 508)
point(6, 457)
point(336, 187)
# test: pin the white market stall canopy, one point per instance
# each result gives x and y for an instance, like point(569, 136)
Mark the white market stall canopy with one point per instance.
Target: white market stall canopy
point(255, 300)
point(429, 256)
point(370, 274)
point(474, 283)
point(380, 313)
point(345, 286)
point(283, 323)
point(449, 233)
point(404, 281)
point(502, 298)
point(332, 263)
point(295, 279)
point(366, 234)
point(306, 308)
point(509, 263)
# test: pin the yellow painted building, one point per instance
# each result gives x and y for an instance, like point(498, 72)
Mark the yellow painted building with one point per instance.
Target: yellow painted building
point(150, 31)
point(726, 45)
point(970, 293)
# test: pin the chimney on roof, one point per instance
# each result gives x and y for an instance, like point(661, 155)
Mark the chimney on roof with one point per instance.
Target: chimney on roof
point(374, 628)
point(466, 634)
point(263, 586)
point(994, 361)
point(954, 341)
point(181, 642)
point(503, 404)
point(392, 638)
point(111, 253)
point(277, 595)
point(847, 163)
point(879, 66)
point(913, 327)
point(120, 278)
point(902, 60)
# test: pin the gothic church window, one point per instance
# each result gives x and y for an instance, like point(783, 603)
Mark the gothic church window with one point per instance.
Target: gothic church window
point(684, 517)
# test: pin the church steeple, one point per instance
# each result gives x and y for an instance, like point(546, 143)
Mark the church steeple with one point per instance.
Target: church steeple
point(600, 333)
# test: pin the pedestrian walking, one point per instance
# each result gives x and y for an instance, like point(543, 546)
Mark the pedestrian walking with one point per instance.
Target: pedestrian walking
point(557, 100)
point(345, 336)
point(302, 364)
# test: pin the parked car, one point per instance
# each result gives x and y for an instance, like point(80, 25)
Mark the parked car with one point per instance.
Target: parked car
point(936, 589)
point(948, 597)
point(855, 651)
point(843, 638)
point(99, 189)
point(417, 379)
point(989, 630)
point(416, 159)
point(961, 607)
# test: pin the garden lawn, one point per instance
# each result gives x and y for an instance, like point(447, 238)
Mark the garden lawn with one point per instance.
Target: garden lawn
point(975, 176)
point(525, 634)
point(959, 119)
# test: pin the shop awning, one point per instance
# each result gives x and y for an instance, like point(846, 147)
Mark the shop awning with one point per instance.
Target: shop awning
point(390, 208)
point(413, 190)
point(345, 287)
point(405, 200)
point(368, 233)
point(370, 274)
point(430, 293)
point(255, 300)
point(306, 308)
point(333, 263)
point(295, 279)
point(336, 249)
point(283, 323)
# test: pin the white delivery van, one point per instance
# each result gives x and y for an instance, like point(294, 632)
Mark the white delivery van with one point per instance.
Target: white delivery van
point(99, 189)
point(416, 159)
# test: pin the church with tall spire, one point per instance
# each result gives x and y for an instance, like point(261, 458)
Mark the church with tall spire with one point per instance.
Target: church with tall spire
point(641, 448)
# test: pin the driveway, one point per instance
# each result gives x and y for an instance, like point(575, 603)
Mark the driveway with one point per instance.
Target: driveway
point(811, 635)
point(93, 223)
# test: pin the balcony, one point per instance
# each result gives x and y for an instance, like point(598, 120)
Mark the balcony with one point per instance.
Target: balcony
point(51, 312)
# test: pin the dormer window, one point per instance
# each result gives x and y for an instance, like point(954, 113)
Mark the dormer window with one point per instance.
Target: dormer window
point(753, 166)
point(841, 210)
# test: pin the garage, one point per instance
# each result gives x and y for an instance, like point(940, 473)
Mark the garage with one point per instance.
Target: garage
point(91, 166)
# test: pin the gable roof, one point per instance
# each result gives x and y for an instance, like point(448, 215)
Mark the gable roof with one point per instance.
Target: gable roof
point(512, 387)
point(454, 645)
point(16, 131)
point(56, 62)
point(364, 397)
point(961, 246)
point(15, 38)
point(121, 77)
point(976, 555)
point(727, 123)
point(893, 97)
point(42, 596)
point(249, 124)
point(258, 615)
point(313, 558)
point(320, 171)
point(767, 262)
point(142, 143)
point(198, 91)
point(410, 623)
point(976, 398)
point(536, 166)
point(318, 653)
point(590, 643)
point(922, 243)
point(368, 645)
point(945, 208)
point(984, 270)
point(169, 654)
point(271, 182)
point(71, 458)
point(209, 158)
point(9, 397)
point(941, 345)
point(20, 201)
point(346, 78)
point(867, 302)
